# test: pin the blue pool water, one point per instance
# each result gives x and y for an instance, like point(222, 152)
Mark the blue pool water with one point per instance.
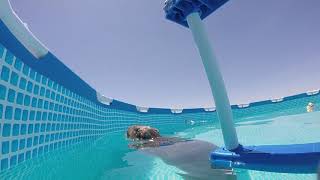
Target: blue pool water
point(292, 129)
point(109, 157)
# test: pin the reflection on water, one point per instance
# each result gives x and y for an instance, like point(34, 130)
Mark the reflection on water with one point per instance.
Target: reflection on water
point(251, 123)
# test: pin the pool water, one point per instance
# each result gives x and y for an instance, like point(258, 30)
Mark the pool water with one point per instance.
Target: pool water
point(293, 129)
point(110, 158)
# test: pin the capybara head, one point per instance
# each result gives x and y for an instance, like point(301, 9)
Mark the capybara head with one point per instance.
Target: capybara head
point(142, 132)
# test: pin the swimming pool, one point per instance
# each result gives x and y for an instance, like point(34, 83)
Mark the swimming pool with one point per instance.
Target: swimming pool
point(56, 126)
point(109, 157)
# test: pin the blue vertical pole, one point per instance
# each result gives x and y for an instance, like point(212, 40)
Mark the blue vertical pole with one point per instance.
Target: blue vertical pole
point(215, 79)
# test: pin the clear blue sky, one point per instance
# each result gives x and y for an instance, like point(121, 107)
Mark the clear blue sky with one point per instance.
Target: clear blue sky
point(128, 51)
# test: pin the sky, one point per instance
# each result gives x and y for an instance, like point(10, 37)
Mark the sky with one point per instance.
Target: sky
point(128, 51)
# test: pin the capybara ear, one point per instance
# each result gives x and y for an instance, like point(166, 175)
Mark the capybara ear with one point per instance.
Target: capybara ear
point(132, 132)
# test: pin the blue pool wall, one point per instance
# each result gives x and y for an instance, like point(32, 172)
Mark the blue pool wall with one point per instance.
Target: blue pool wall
point(45, 106)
